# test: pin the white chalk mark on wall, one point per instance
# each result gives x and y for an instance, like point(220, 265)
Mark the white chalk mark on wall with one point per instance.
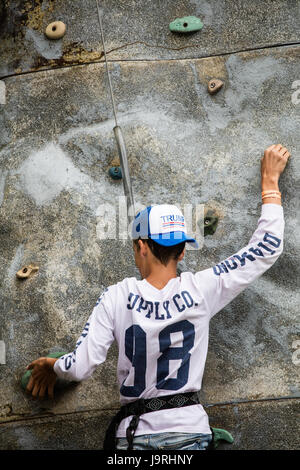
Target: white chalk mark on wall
point(246, 80)
point(16, 262)
point(48, 49)
point(49, 171)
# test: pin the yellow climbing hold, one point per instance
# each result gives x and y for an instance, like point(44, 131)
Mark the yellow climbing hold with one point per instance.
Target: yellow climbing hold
point(55, 30)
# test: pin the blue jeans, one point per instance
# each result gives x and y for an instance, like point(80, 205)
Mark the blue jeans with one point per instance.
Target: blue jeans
point(167, 441)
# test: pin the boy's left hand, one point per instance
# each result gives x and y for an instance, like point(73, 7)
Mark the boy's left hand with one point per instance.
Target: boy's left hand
point(42, 377)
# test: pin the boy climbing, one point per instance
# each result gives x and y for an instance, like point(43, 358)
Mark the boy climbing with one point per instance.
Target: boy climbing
point(161, 324)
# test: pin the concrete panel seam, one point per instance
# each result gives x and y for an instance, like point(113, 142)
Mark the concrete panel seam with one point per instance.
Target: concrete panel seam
point(52, 416)
point(223, 54)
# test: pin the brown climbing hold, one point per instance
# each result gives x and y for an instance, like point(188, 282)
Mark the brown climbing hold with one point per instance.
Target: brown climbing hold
point(27, 271)
point(55, 30)
point(214, 85)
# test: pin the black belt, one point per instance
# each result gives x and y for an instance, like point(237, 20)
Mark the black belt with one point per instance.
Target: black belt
point(141, 406)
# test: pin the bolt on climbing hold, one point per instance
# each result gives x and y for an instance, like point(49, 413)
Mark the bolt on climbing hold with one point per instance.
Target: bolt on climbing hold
point(221, 435)
point(55, 30)
point(187, 24)
point(210, 223)
point(115, 172)
point(27, 271)
point(214, 85)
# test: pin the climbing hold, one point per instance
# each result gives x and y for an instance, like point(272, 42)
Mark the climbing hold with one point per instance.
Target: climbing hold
point(214, 85)
point(26, 376)
point(187, 24)
point(27, 271)
point(55, 30)
point(115, 172)
point(221, 435)
point(210, 223)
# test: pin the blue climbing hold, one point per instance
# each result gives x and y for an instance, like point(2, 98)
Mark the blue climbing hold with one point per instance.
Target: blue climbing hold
point(115, 172)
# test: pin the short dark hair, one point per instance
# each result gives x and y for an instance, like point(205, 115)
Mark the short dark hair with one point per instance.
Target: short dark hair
point(163, 253)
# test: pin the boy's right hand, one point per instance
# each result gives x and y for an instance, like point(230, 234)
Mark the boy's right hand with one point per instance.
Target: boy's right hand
point(272, 165)
point(42, 378)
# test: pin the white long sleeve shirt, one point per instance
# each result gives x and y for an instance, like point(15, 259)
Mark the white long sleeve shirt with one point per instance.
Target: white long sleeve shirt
point(162, 334)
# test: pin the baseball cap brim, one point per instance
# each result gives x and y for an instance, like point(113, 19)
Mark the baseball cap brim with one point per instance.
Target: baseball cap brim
point(173, 238)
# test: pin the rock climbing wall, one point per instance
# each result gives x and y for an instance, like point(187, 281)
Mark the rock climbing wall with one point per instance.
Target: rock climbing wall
point(185, 146)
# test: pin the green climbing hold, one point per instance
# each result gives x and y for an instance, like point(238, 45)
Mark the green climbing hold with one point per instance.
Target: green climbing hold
point(25, 379)
point(221, 435)
point(210, 223)
point(115, 172)
point(187, 24)
point(26, 376)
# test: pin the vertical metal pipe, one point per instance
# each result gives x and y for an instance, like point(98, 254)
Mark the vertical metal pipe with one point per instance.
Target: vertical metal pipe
point(125, 172)
point(119, 139)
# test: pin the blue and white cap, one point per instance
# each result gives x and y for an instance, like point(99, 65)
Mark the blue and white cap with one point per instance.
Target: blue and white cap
point(163, 223)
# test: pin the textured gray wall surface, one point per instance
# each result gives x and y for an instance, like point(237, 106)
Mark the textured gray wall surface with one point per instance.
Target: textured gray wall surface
point(139, 30)
point(184, 146)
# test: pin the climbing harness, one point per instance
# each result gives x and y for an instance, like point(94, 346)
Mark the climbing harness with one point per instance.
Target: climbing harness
point(119, 137)
point(141, 406)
